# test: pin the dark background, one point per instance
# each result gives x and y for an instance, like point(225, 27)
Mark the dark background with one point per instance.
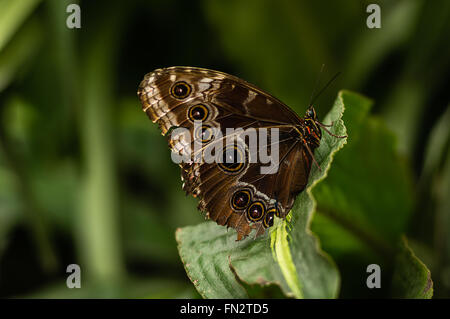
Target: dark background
point(86, 178)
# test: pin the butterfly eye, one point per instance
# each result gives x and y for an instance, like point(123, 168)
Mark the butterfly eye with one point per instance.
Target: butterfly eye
point(198, 112)
point(233, 159)
point(240, 199)
point(256, 211)
point(268, 219)
point(180, 90)
point(311, 113)
point(204, 133)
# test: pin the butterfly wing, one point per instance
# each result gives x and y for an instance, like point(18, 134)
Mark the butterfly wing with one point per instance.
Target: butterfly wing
point(232, 94)
point(236, 195)
point(250, 198)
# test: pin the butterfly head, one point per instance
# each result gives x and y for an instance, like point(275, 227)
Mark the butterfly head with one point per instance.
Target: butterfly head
point(311, 113)
point(312, 130)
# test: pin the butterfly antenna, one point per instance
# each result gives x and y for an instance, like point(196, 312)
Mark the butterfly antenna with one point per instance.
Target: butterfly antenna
point(324, 126)
point(324, 88)
point(316, 85)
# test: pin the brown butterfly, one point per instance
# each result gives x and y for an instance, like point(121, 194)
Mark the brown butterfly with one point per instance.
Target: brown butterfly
point(235, 192)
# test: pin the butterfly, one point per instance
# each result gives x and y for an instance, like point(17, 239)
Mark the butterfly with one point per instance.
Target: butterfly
point(207, 105)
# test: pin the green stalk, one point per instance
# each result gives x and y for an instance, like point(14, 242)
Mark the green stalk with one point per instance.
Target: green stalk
point(282, 254)
point(98, 230)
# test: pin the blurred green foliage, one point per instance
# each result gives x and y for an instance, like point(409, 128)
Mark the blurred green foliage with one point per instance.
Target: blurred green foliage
point(86, 178)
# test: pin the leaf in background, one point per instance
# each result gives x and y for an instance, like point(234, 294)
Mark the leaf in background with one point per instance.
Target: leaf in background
point(370, 48)
point(17, 118)
point(367, 201)
point(146, 235)
point(12, 14)
point(368, 191)
point(293, 36)
point(291, 257)
point(437, 145)
point(434, 185)
point(18, 51)
point(407, 102)
point(412, 279)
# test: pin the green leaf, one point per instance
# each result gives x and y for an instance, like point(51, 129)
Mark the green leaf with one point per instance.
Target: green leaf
point(412, 279)
point(366, 203)
point(12, 15)
point(290, 256)
point(15, 55)
point(369, 190)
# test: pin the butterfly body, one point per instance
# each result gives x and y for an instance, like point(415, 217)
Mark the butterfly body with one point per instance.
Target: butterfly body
point(207, 104)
